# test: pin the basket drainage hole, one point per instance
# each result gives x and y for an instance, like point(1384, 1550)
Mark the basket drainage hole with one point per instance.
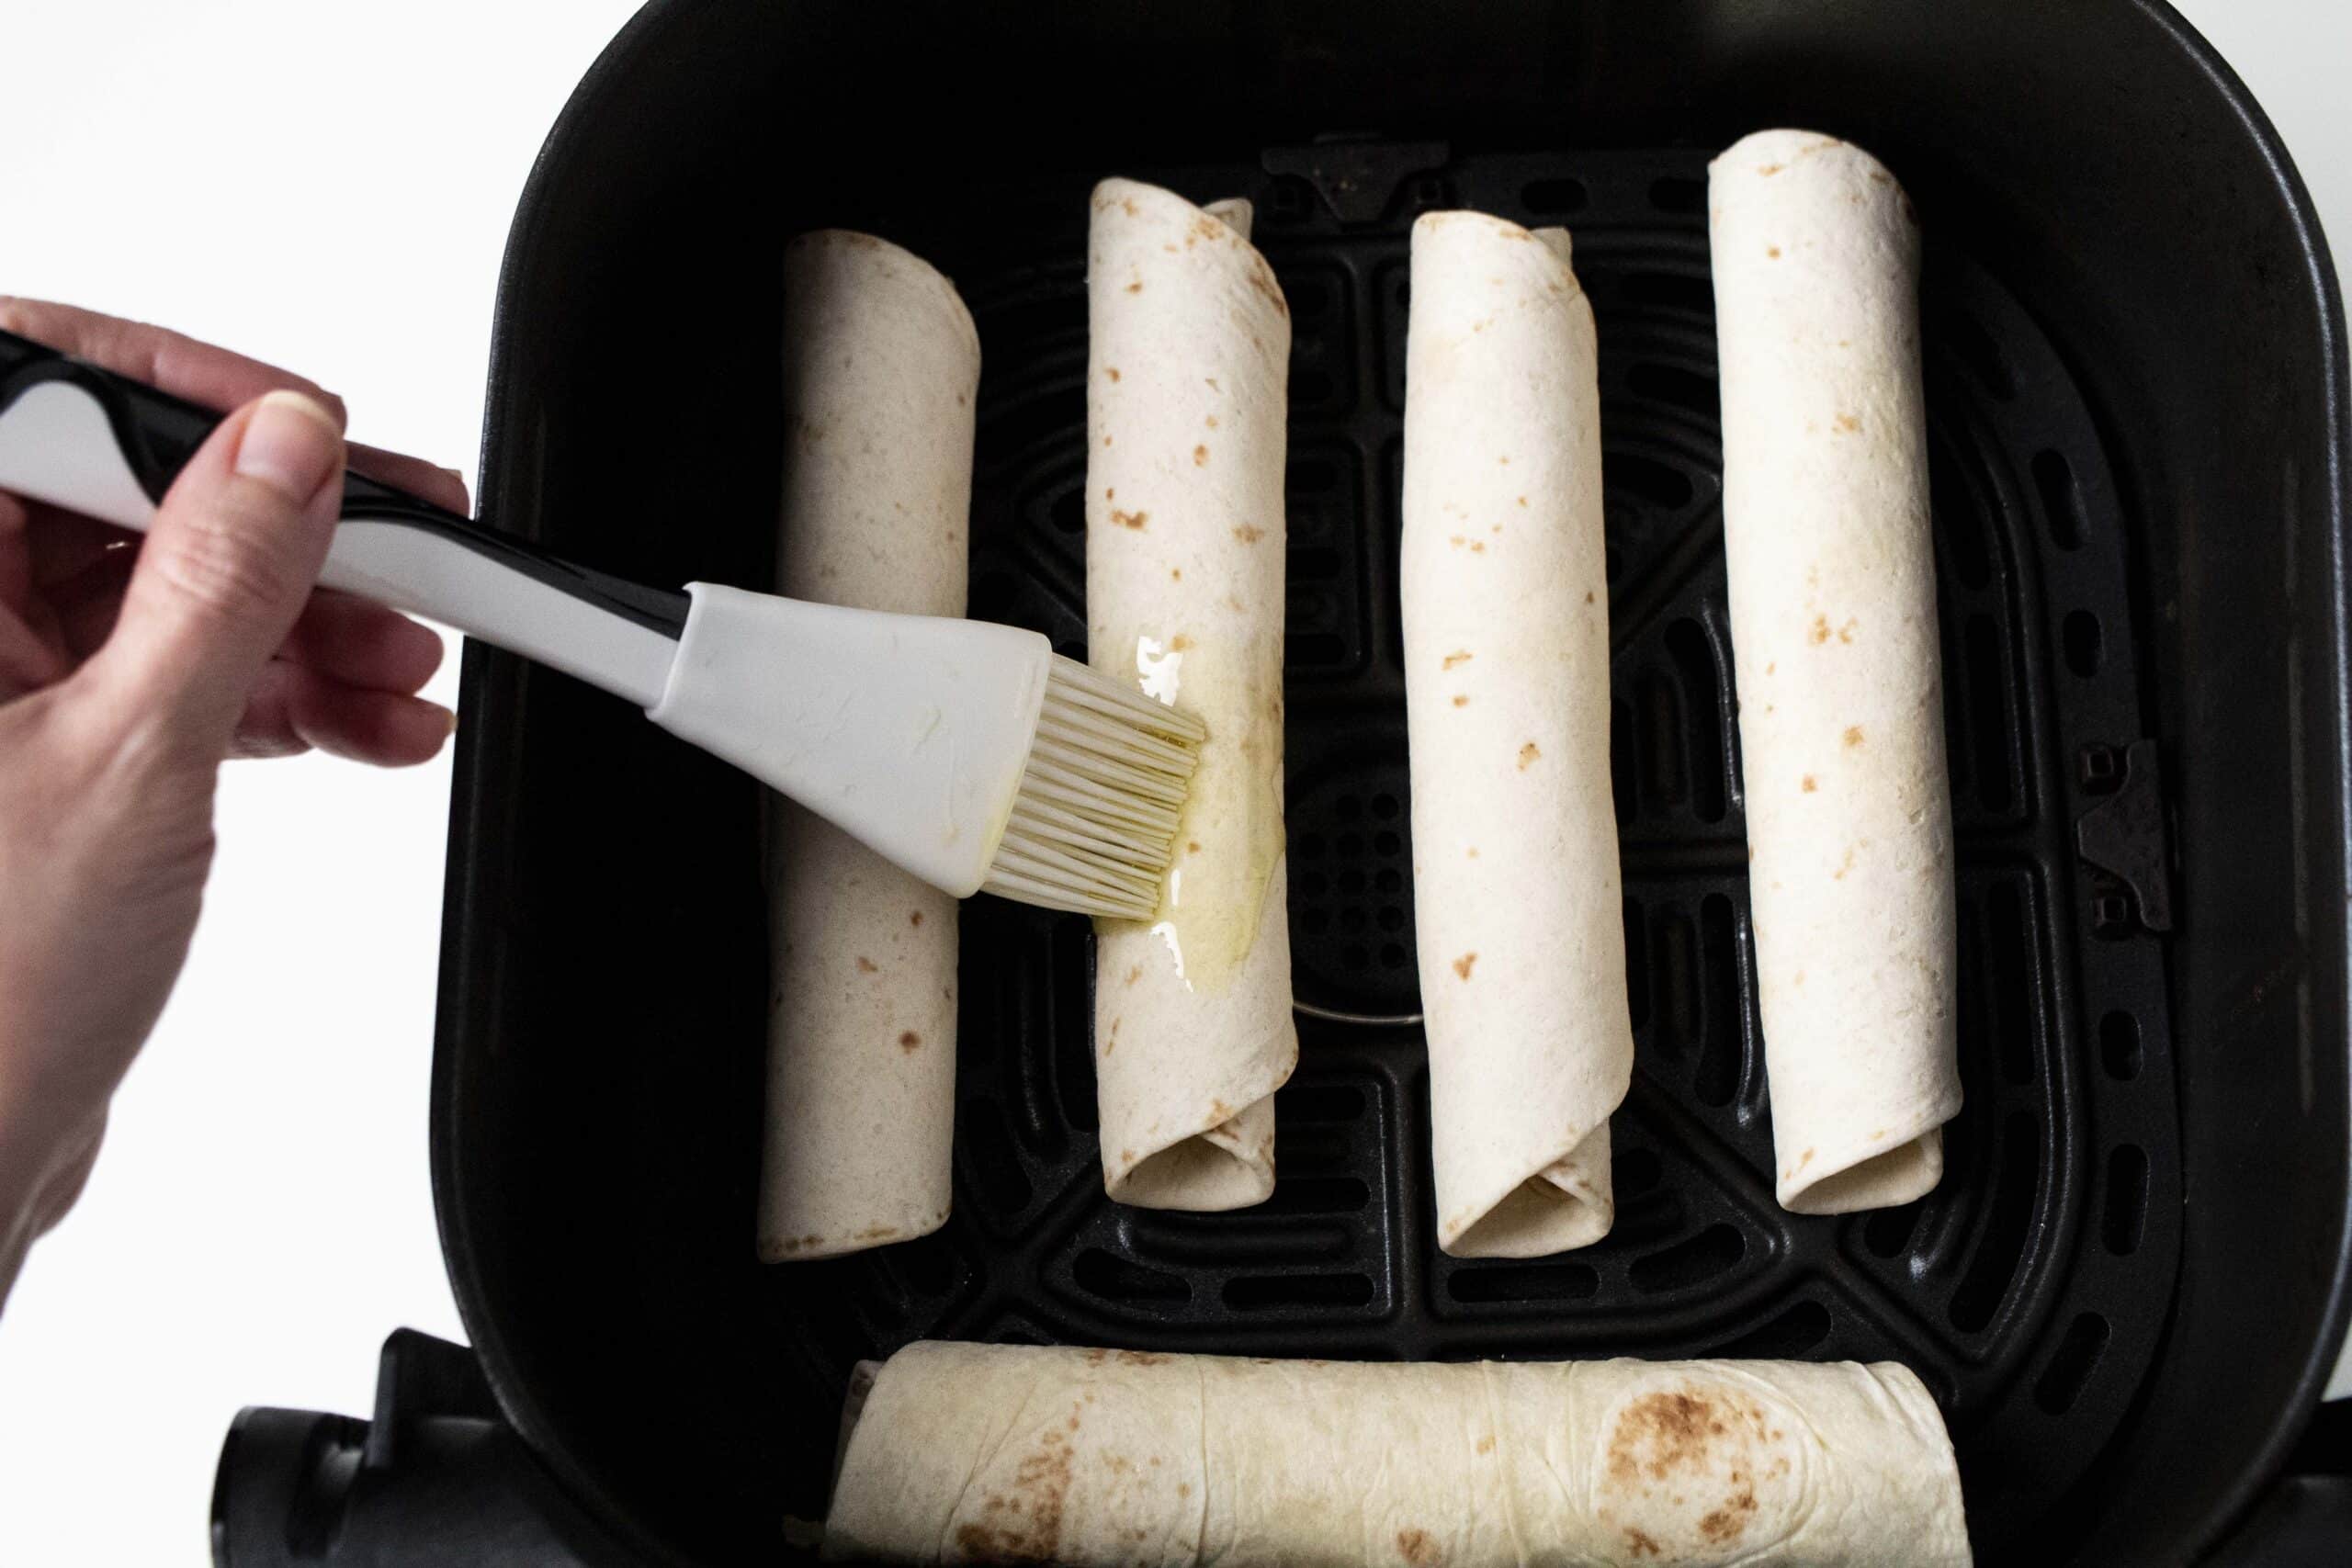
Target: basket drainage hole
point(1674, 194)
point(2002, 1246)
point(1888, 1231)
point(2061, 499)
point(2080, 635)
point(1548, 199)
point(1388, 879)
point(1318, 1102)
point(1309, 846)
point(1793, 1333)
point(1383, 806)
point(2070, 1366)
point(1253, 1292)
point(1392, 956)
point(1100, 1274)
point(1633, 1171)
point(993, 1164)
point(1712, 1252)
point(2127, 1199)
point(1524, 1283)
point(2119, 1045)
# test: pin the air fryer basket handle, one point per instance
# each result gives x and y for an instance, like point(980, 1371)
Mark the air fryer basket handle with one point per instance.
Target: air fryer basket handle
point(435, 1479)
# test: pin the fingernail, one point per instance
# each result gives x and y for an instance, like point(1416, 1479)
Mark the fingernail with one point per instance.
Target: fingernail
point(453, 720)
point(291, 444)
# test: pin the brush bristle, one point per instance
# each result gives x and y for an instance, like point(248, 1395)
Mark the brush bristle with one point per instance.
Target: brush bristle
point(1094, 825)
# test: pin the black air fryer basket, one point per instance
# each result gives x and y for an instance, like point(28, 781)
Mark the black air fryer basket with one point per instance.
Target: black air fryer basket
point(2131, 1282)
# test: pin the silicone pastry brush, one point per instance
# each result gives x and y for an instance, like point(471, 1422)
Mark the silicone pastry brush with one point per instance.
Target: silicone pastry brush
point(967, 752)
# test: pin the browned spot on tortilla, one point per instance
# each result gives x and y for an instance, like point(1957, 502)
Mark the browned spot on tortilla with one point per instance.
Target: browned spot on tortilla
point(1486, 1444)
point(1193, 846)
point(1850, 423)
point(1212, 381)
point(876, 1233)
point(1183, 1489)
point(1179, 643)
point(1504, 461)
point(1106, 441)
point(1773, 252)
point(1730, 1521)
point(1200, 457)
point(1477, 546)
point(1663, 1432)
point(1459, 656)
point(909, 1041)
point(1128, 203)
point(867, 966)
point(1804, 1159)
point(1461, 701)
point(1769, 169)
point(1028, 1528)
point(1775, 664)
point(1846, 632)
point(1457, 541)
point(914, 917)
point(1807, 784)
point(1415, 1547)
point(1135, 974)
point(1248, 533)
point(1263, 282)
point(1136, 286)
point(1462, 965)
point(1211, 422)
point(1820, 633)
point(1527, 755)
point(1140, 1358)
point(1472, 852)
point(1639, 1544)
point(1176, 573)
point(1587, 595)
point(1522, 500)
point(1134, 520)
point(1112, 371)
point(1853, 735)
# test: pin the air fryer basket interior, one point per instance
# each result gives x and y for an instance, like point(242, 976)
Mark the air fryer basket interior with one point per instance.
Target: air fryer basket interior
point(2135, 394)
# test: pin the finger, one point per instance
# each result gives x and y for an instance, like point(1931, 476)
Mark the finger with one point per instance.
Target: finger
point(227, 567)
point(178, 363)
point(427, 481)
point(362, 644)
point(295, 709)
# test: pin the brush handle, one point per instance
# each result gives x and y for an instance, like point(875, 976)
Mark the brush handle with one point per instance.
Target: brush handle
point(102, 445)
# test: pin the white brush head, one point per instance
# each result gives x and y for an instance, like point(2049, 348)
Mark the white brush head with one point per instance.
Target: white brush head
point(1094, 826)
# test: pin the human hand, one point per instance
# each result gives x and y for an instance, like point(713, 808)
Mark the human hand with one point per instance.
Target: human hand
point(128, 670)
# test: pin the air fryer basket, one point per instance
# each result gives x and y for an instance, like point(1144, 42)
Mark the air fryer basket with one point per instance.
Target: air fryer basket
point(2136, 405)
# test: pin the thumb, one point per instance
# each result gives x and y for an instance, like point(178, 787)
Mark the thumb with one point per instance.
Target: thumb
point(227, 566)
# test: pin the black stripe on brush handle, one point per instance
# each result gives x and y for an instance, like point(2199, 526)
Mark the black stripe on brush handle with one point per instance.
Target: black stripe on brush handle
point(158, 433)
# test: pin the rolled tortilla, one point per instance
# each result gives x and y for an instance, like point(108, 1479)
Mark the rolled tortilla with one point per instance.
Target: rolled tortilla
point(882, 366)
point(1833, 622)
point(970, 1453)
point(1518, 912)
point(1187, 379)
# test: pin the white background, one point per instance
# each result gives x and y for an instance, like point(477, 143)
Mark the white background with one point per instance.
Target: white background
point(328, 186)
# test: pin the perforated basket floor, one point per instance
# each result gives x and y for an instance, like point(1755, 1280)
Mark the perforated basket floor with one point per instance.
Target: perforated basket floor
point(2028, 1290)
